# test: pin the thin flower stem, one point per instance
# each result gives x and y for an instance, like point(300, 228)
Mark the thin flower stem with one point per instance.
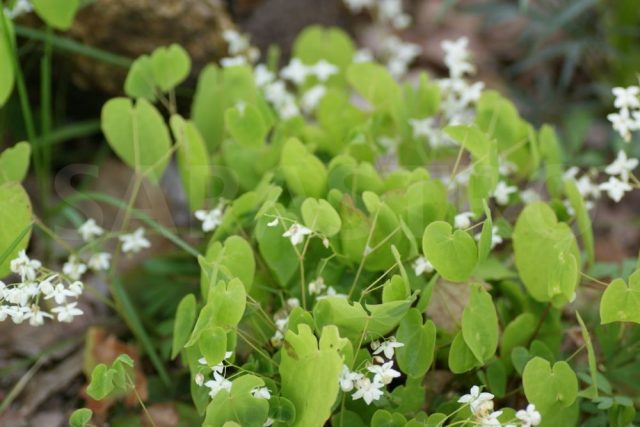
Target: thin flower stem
point(144, 407)
point(456, 165)
point(364, 255)
point(255, 348)
point(594, 280)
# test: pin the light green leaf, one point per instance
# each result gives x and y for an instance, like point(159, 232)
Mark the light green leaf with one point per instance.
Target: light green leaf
point(582, 218)
point(517, 333)
point(101, 383)
point(621, 303)
point(480, 324)
point(453, 255)
point(246, 126)
point(415, 358)
point(7, 73)
point(15, 217)
point(193, 161)
point(14, 162)
point(184, 320)
point(238, 405)
point(140, 82)
point(320, 216)
point(302, 360)
point(591, 357)
point(138, 135)
point(170, 65)
point(461, 358)
point(57, 13)
point(80, 417)
point(276, 250)
point(232, 260)
point(544, 249)
point(331, 44)
point(213, 344)
point(374, 83)
point(545, 386)
point(304, 173)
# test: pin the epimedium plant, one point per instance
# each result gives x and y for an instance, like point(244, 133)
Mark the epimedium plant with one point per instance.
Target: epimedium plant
point(362, 234)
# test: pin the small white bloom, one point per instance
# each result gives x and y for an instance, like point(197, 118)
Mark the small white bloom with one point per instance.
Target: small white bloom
point(311, 98)
point(67, 312)
point(622, 166)
point(296, 233)
point(233, 61)
point(295, 71)
point(491, 420)
point(626, 97)
point(217, 384)
point(357, 6)
point(475, 398)
point(387, 347)
point(348, 379)
point(199, 379)
point(261, 393)
point(363, 55)
point(268, 422)
point(615, 188)
point(384, 373)
point(90, 230)
point(529, 416)
point(37, 316)
point(317, 286)
point(134, 242)
point(262, 75)
point(75, 289)
point(20, 7)
point(46, 286)
point(623, 123)
point(293, 303)
point(100, 261)
point(273, 223)
point(422, 265)
point(457, 57)
point(323, 70)
point(463, 220)
point(73, 268)
point(502, 192)
point(237, 42)
point(331, 292)
point(367, 390)
point(60, 294)
point(210, 219)
point(25, 267)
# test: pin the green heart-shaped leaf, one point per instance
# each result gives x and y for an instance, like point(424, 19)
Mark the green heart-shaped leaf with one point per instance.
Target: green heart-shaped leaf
point(138, 135)
point(320, 216)
point(545, 386)
point(14, 162)
point(170, 66)
point(57, 13)
point(480, 324)
point(15, 217)
point(453, 255)
point(621, 303)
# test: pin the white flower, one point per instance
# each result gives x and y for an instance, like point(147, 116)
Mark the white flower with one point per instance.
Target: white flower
point(475, 398)
point(60, 294)
point(422, 265)
point(46, 286)
point(210, 219)
point(587, 188)
point(626, 97)
point(90, 230)
point(295, 71)
point(491, 420)
point(457, 57)
point(529, 416)
point(363, 55)
point(622, 166)
point(317, 286)
point(296, 233)
point(73, 268)
point(199, 379)
point(100, 261)
point(331, 292)
point(236, 41)
point(323, 70)
point(383, 373)
point(367, 390)
point(312, 98)
point(496, 239)
point(268, 422)
point(217, 384)
point(348, 379)
point(615, 188)
point(502, 192)
point(261, 393)
point(20, 7)
point(262, 75)
point(387, 347)
point(233, 61)
point(463, 220)
point(273, 223)
point(67, 312)
point(623, 123)
point(75, 288)
point(37, 316)
point(134, 242)
point(293, 303)
point(25, 267)
point(356, 6)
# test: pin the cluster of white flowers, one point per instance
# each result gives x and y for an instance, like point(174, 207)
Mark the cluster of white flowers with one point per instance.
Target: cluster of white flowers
point(388, 12)
point(371, 389)
point(481, 406)
point(318, 288)
point(398, 55)
point(422, 265)
point(22, 300)
point(240, 50)
point(627, 119)
point(210, 219)
point(458, 95)
point(619, 172)
point(20, 8)
point(281, 320)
